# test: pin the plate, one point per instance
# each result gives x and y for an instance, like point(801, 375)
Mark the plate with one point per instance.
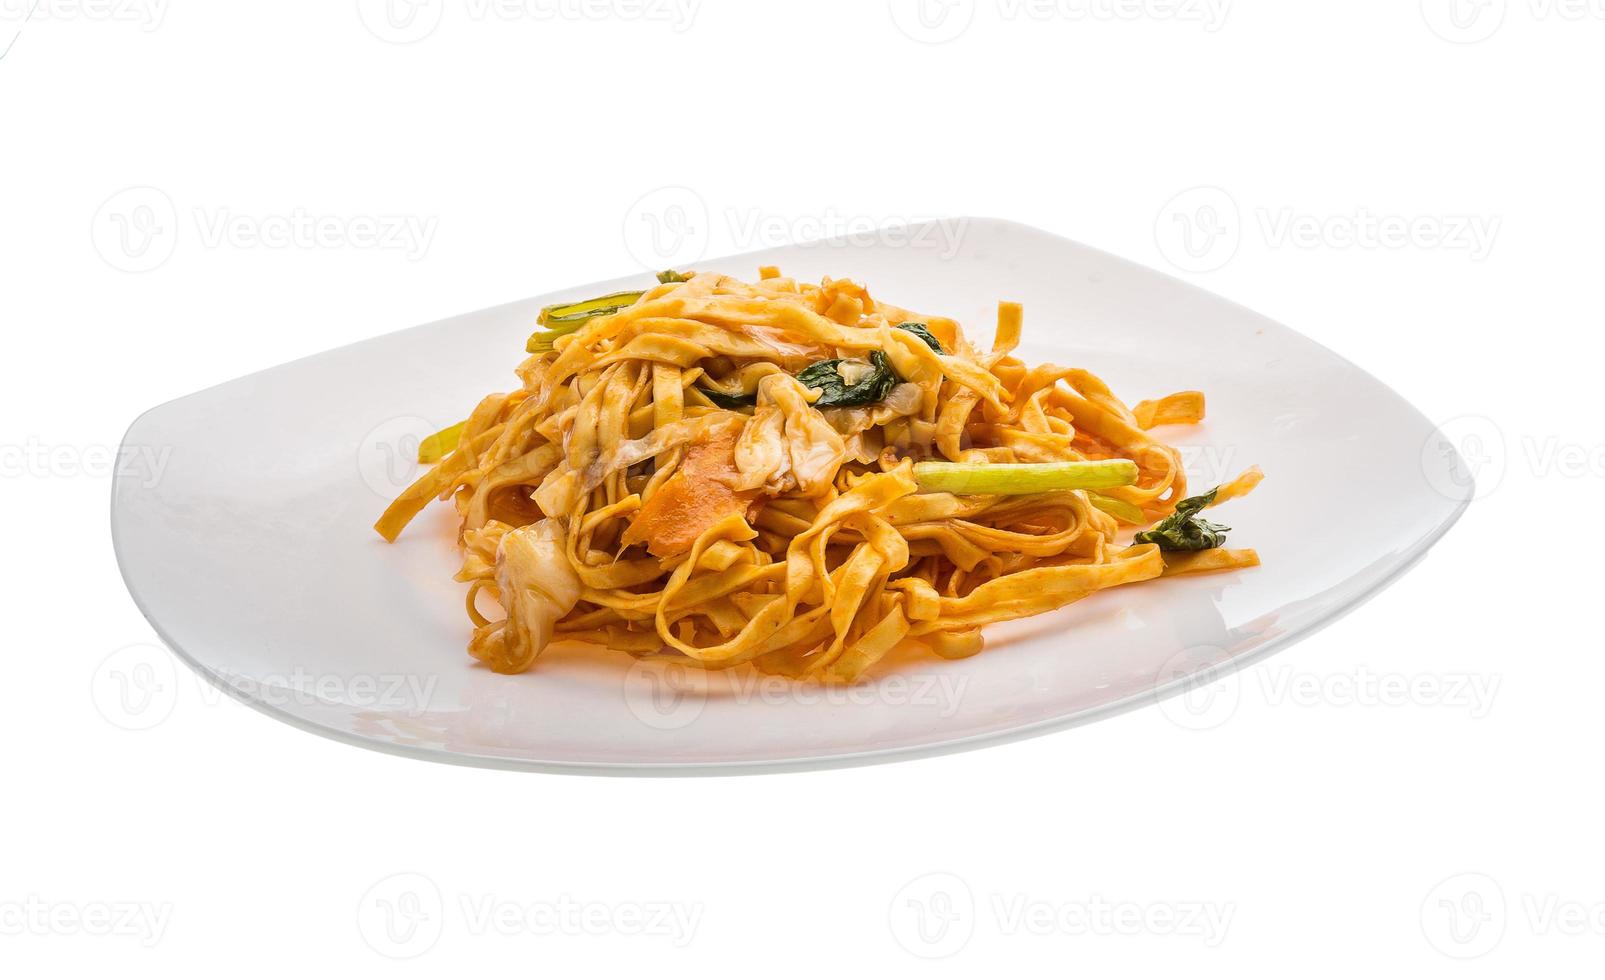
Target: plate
point(250, 549)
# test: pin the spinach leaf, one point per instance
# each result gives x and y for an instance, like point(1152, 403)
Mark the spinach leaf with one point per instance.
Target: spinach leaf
point(834, 390)
point(1185, 530)
point(724, 400)
point(923, 332)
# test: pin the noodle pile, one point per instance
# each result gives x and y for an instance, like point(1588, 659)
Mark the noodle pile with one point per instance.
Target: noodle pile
point(663, 483)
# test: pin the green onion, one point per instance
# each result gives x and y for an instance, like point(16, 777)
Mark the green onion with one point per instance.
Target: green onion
point(541, 341)
point(561, 319)
point(566, 313)
point(435, 448)
point(1021, 478)
point(1118, 509)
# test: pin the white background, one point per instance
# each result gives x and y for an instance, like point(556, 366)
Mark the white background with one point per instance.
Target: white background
point(1413, 791)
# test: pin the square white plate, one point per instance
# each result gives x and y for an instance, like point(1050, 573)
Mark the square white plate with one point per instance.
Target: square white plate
point(253, 556)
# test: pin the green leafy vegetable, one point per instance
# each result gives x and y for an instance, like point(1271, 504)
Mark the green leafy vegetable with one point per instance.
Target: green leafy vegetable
point(923, 332)
point(669, 275)
point(1022, 478)
point(726, 400)
point(841, 382)
point(1185, 530)
point(837, 392)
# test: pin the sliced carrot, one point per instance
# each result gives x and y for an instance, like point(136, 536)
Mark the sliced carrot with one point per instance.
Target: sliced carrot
point(699, 494)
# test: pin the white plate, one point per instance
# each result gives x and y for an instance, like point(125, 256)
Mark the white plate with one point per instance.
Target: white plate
point(252, 555)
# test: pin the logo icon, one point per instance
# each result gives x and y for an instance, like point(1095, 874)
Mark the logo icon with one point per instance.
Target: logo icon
point(1208, 692)
point(1464, 916)
point(136, 688)
point(663, 695)
point(668, 227)
point(932, 21)
point(387, 459)
point(401, 916)
point(933, 916)
point(1199, 230)
point(136, 229)
point(401, 21)
point(1464, 21)
point(1465, 457)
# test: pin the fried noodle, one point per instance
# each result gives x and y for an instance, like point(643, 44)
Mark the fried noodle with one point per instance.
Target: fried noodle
point(663, 483)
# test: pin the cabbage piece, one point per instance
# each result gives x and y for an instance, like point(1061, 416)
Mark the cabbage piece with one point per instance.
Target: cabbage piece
point(538, 587)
